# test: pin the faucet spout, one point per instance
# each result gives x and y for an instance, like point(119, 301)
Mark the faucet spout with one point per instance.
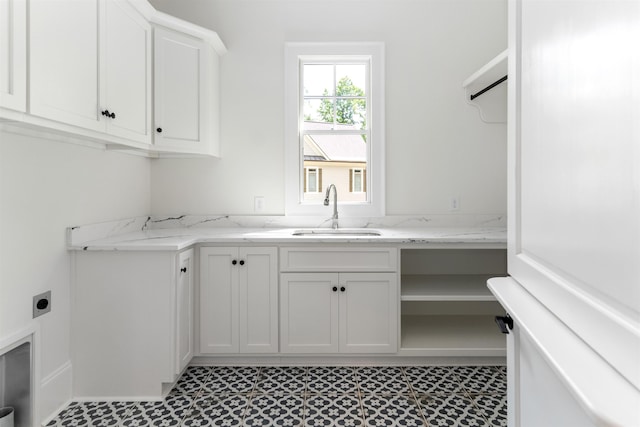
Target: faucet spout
point(334, 219)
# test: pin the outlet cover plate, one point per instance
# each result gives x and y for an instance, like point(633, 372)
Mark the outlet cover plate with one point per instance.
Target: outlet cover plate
point(41, 304)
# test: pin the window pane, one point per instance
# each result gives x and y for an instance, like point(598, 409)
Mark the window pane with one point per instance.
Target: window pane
point(352, 111)
point(317, 110)
point(351, 79)
point(337, 155)
point(318, 80)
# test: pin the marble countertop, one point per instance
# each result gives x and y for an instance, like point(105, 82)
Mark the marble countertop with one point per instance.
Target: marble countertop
point(175, 239)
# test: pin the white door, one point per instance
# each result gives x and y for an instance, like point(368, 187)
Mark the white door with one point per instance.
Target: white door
point(219, 300)
point(63, 52)
point(368, 313)
point(125, 73)
point(574, 228)
point(183, 79)
point(258, 298)
point(184, 310)
point(309, 312)
point(13, 54)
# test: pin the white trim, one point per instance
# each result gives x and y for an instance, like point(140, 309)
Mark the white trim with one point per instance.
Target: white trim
point(608, 397)
point(56, 391)
point(31, 333)
point(376, 121)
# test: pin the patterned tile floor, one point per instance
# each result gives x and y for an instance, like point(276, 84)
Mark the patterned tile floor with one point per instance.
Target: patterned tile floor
point(313, 396)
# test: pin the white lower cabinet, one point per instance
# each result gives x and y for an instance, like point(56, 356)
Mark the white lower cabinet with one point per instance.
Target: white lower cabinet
point(446, 307)
point(132, 322)
point(238, 300)
point(184, 310)
point(338, 300)
point(338, 312)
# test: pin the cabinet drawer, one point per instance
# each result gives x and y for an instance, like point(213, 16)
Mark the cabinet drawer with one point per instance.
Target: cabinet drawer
point(338, 259)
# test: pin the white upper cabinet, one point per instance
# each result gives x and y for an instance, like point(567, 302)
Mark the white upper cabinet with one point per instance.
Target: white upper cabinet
point(13, 54)
point(63, 54)
point(91, 66)
point(126, 66)
point(186, 93)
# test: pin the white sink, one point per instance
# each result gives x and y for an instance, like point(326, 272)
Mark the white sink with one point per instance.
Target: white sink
point(342, 232)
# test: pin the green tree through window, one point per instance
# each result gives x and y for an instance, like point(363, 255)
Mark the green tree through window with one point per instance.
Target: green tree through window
point(350, 105)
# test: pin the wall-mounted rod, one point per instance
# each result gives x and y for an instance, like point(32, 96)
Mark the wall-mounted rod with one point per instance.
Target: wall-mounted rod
point(491, 86)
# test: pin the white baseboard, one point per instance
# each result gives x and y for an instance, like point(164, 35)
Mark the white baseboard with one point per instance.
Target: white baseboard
point(56, 392)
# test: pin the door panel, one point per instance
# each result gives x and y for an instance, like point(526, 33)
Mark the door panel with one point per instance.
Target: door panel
point(309, 313)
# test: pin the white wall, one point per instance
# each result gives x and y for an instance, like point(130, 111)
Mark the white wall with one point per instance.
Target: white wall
point(46, 186)
point(437, 146)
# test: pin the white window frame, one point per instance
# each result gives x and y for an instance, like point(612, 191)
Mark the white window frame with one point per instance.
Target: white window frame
point(294, 169)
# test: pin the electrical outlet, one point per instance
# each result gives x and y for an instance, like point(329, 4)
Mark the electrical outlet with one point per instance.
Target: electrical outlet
point(454, 203)
point(258, 204)
point(41, 304)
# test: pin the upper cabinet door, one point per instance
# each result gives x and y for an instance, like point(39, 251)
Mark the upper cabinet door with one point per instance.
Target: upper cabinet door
point(125, 71)
point(13, 54)
point(186, 82)
point(63, 56)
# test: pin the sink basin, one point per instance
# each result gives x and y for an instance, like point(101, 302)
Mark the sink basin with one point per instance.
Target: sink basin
point(342, 232)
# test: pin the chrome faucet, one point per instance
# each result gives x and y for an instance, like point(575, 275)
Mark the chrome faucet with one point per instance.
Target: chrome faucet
point(334, 219)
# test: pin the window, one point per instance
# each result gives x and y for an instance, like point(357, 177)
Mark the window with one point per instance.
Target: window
point(357, 180)
point(334, 127)
point(312, 180)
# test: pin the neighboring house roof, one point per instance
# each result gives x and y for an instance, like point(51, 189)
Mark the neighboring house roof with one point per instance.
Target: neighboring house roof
point(333, 148)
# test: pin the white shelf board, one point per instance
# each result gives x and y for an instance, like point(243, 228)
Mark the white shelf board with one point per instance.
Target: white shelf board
point(488, 73)
point(443, 334)
point(450, 287)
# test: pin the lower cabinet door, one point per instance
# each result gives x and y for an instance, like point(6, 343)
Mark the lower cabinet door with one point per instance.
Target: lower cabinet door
point(219, 300)
point(368, 313)
point(309, 312)
point(184, 310)
point(339, 313)
point(258, 299)
point(238, 300)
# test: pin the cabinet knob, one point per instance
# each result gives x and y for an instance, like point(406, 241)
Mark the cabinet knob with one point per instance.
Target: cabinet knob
point(183, 270)
point(159, 130)
point(342, 289)
point(234, 262)
point(241, 262)
point(335, 289)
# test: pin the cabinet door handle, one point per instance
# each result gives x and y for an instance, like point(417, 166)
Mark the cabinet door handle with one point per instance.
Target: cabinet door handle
point(241, 262)
point(342, 289)
point(159, 130)
point(335, 289)
point(108, 114)
point(234, 262)
point(504, 322)
point(183, 270)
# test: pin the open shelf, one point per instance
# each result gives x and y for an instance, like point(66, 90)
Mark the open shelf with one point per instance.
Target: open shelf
point(446, 287)
point(451, 335)
point(446, 307)
point(486, 89)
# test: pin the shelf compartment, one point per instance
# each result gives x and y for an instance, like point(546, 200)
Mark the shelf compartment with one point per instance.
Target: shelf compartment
point(449, 287)
point(451, 335)
point(486, 89)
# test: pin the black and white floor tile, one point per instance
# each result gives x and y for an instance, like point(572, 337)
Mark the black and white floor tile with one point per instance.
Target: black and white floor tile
point(425, 396)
